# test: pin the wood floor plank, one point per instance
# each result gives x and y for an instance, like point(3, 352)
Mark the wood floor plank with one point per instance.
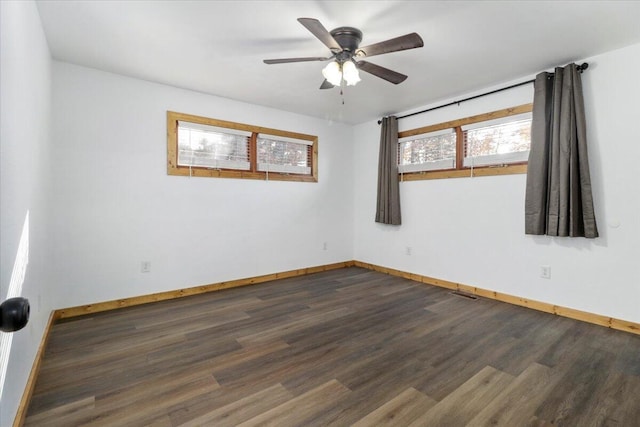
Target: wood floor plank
point(565, 347)
point(141, 412)
point(243, 409)
point(613, 402)
point(628, 356)
point(62, 415)
point(301, 408)
point(374, 392)
point(532, 341)
point(101, 362)
point(458, 357)
point(277, 331)
point(517, 403)
point(163, 421)
point(196, 323)
point(401, 410)
point(274, 366)
point(160, 384)
point(578, 388)
point(459, 407)
point(333, 349)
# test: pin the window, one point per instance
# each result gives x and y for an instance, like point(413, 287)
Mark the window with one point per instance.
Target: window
point(280, 154)
point(431, 151)
point(494, 143)
point(212, 147)
point(200, 146)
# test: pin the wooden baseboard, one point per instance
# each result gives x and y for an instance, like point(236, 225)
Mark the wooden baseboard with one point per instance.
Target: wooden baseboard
point(18, 421)
point(179, 293)
point(597, 319)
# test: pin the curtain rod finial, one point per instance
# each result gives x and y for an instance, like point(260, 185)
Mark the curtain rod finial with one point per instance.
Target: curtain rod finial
point(583, 66)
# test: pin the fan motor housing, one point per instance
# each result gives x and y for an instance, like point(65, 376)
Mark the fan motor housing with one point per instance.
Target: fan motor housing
point(349, 39)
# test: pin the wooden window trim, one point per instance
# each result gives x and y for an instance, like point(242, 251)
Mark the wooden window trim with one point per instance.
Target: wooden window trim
point(461, 171)
point(172, 151)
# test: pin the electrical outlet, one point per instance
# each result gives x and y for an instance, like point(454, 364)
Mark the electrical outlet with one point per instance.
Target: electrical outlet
point(545, 271)
point(145, 267)
point(325, 246)
point(408, 250)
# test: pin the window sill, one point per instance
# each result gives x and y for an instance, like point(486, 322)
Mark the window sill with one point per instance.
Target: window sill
point(223, 173)
point(464, 173)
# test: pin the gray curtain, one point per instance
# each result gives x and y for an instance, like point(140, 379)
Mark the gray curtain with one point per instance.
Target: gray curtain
point(558, 197)
point(388, 208)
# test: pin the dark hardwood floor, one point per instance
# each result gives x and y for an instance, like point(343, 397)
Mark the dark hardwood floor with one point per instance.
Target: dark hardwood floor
point(344, 347)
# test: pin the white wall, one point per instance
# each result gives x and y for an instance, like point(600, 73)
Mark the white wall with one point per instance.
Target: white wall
point(115, 205)
point(471, 231)
point(25, 109)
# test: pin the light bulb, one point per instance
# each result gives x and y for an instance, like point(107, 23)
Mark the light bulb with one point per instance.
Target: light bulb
point(350, 73)
point(332, 73)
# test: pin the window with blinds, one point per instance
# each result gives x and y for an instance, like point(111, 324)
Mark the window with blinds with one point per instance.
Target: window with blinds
point(285, 155)
point(494, 143)
point(429, 151)
point(212, 147)
point(201, 146)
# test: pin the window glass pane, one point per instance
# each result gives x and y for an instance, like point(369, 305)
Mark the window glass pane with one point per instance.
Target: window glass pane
point(283, 153)
point(212, 149)
point(503, 138)
point(427, 149)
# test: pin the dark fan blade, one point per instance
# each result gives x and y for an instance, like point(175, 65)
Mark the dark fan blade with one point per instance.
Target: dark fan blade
point(318, 30)
point(326, 85)
point(285, 60)
point(409, 41)
point(383, 73)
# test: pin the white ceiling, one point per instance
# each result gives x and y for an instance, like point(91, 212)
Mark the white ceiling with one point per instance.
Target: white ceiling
point(217, 47)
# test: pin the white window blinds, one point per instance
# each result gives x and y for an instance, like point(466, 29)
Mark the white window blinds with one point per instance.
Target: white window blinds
point(429, 151)
point(495, 142)
point(284, 155)
point(201, 145)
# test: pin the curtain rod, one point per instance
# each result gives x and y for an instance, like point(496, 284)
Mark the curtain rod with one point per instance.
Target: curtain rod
point(580, 68)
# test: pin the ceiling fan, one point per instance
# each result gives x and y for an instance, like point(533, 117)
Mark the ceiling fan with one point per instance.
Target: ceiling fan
point(343, 43)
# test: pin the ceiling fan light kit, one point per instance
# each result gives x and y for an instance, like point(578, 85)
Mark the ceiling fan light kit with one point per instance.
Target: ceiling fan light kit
point(343, 42)
point(335, 73)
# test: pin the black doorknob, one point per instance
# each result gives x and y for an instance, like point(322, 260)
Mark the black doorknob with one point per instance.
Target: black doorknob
point(14, 314)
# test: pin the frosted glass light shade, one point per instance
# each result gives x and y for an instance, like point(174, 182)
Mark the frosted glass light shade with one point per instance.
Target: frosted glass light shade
point(350, 73)
point(332, 73)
